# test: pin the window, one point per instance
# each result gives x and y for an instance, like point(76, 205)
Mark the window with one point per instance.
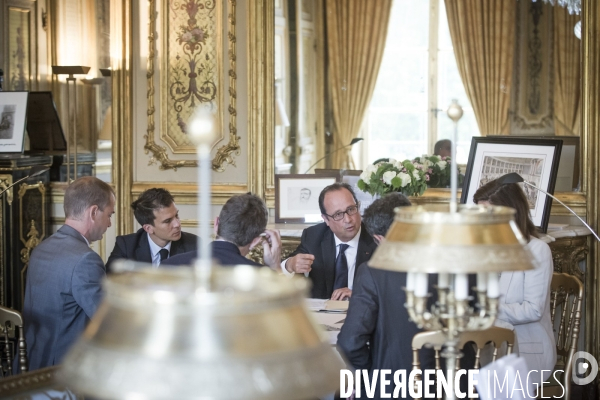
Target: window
point(417, 81)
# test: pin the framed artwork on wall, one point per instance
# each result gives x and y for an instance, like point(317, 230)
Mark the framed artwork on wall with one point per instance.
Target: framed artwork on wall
point(13, 113)
point(297, 196)
point(536, 160)
point(351, 177)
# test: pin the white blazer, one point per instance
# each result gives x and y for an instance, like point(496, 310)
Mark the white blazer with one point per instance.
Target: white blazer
point(525, 303)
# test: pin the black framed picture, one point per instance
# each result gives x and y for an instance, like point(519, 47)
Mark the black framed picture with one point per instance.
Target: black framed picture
point(536, 160)
point(13, 113)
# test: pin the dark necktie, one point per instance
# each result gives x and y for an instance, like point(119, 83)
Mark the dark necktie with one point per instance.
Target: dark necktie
point(164, 254)
point(341, 268)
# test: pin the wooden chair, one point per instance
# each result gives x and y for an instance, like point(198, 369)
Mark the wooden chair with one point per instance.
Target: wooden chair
point(13, 336)
point(436, 340)
point(566, 301)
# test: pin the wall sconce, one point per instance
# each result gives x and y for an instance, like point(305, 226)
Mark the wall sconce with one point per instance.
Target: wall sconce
point(72, 110)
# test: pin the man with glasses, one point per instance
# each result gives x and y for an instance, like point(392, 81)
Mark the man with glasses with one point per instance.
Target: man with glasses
point(329, 252)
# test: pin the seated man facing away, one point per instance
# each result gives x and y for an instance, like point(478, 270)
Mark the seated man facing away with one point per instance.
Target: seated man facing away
point(160, 236)
point(240, 226)
point(377, 333)
point(64, 275)
point(329, 252)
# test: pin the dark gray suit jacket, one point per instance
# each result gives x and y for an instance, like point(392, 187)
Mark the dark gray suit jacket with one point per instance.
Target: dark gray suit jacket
point(318, 240)
point(135, 247)
point(377, 332)
point(62, 293)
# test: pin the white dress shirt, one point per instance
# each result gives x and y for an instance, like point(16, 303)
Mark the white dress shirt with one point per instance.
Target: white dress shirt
point(154, 251)
point(350, 257)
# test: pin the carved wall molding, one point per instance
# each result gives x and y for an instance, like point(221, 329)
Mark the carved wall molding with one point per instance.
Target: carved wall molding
point(33, 237)
point(187, 193)
point(567, 253)
point(225, 153)
point(533, 78)
point(6, 181)
point(159, 153)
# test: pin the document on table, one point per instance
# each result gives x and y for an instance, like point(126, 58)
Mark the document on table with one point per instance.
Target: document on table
point(327, 305)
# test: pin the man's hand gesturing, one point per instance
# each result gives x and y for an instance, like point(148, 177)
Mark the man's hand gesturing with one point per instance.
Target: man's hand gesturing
point(300, 263)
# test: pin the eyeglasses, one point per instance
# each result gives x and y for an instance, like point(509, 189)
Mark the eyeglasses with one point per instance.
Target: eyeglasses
point(338, 216)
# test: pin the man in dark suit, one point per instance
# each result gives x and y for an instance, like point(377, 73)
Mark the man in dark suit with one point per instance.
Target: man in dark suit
point(329, 252)
point(377, 332)
point(63, 288)
point(240, 226)
point(160, 236)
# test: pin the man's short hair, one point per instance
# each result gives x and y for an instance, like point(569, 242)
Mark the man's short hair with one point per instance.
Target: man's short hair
point(242, 219)
point(85, 192)
point(333, 188)
point(149, 201)
point(378, 217)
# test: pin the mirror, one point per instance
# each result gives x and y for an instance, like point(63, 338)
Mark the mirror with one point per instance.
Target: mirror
point(407, 115)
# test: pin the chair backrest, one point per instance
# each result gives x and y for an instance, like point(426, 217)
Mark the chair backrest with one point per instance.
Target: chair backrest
point(436, 340)
point(11, 327)
point(566, 301)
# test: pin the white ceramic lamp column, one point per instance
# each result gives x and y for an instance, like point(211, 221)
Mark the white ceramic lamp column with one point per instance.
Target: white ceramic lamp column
point(201, 131)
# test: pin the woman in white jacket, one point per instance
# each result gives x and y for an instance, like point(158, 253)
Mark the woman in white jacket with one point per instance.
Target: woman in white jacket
point(525, 295)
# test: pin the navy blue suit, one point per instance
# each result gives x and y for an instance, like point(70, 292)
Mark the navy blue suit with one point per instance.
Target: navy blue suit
point(135, 247)
point(62, 293)
point(319, 241)
point(226, 253)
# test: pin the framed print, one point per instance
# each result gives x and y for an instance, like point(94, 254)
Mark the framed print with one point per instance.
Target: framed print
point(569, 165)
point(13, 113)
point(351, 177)
point(297, 196)
point(536, 160)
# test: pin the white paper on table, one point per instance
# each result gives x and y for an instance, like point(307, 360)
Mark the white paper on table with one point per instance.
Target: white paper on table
point(505, 378)
point(327, 305)
point(316, 304)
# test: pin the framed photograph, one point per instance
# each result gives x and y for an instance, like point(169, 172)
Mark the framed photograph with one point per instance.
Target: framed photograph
point(351, 177)
point(297, 196)
point(536, 160)
point(567, 177)
point(13, 114)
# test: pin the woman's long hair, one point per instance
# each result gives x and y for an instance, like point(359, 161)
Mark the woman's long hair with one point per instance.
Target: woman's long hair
point(509, 195)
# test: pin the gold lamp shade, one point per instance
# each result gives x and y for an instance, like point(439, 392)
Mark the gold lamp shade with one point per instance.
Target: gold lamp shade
point(244, 333)
point(431, 239)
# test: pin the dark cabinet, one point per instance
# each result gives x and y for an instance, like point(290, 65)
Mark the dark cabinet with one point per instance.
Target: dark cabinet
point(24, 218)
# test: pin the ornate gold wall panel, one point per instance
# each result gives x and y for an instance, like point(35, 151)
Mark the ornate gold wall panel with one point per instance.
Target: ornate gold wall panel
point(225, 153)
point(533, 77)
point(191, 68)
point(159, 153)
point(590, 42)
point(261, 92)
point(122, 127)
point(187, 193)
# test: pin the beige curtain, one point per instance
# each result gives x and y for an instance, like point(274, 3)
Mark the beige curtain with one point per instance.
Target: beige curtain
point(483, 36)
point(567, 74)
point(356, 33)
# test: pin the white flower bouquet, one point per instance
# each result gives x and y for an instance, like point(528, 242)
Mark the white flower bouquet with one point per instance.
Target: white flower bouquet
point(393, 176)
